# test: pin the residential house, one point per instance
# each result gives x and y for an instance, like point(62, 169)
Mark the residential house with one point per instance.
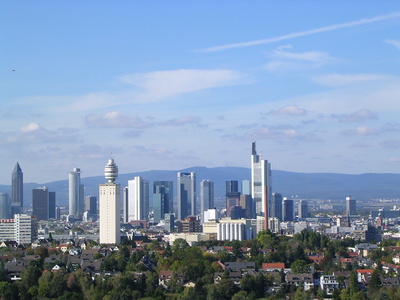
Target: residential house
point(271, 267)
point(328, 284)
point(306, 281)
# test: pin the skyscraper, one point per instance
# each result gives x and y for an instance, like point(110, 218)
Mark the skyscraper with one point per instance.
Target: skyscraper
point(246, 187)
point(303, 209)
point(163, 199)
point(232, 197)
point(276, 206)
point(186, 195)
point(23, 228)
point(206, 196)
point(125, 211)
point(91, 204)
point(109, 198)
point(351, 206)
point(17, 190)
point(138, 199)
point(52, 205)
point(40, 203)
point(5, 206)
point(76, 205)
point(232, 186)
point(261, 184)
point(288, 210)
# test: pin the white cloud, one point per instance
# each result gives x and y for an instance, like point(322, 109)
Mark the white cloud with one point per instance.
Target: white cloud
point(311, 56)
point(395, 43)
point(284, 133)
point(114, 119)
point(360, 145)
point(290, 110)
point(285, 59)
point(358, 116)
point(34, 134)
point(166, 84)
point(361, 131)
point(183, 121)
point(303, 33)
point(336, 80)
point(393, 160)
point(30, 127)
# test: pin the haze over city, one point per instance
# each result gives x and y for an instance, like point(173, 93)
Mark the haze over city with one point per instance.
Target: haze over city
point(170, 85)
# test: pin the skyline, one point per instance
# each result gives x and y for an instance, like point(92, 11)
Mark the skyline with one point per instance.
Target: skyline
point(167, 86)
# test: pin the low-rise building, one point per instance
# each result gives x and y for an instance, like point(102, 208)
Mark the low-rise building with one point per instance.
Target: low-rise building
point(328, 284)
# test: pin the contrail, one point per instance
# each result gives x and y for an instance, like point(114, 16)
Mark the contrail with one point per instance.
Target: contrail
point(302, 33)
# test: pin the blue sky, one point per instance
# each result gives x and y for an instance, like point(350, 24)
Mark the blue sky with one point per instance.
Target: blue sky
point(174, 84)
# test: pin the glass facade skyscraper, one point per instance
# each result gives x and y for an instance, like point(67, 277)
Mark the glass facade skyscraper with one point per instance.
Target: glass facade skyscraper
point(75, 192)
point(17, 190)
point(163, 199)
point(206, 196)
point(261, 184)
point(186, 194)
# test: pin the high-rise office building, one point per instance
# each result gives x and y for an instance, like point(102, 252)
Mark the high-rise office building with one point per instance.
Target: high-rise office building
point(186, 195)
point(125, 210)
point(163, 199)
point(138, 199)
point(91, 204)
point(246, 187)
point(261, 184)
point(232, 198)
point(19, 229)
point(276, 206)
point(52, 205)
point(17, 190)
point(247, 203)
point(5, 206)
point(288, 210)
point(231, 186)
point(109, 200)
point(76, 198)
point(351, 206)
point(40, 203)
point(23, 228)
point(206, 196)
point(303, 209)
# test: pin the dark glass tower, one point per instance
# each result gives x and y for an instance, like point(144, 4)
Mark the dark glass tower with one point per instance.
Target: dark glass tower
point(40, 203)
point(206, 196)
point(288, 210)
point(186, 195)
point(162, 199)
point(17, 189)
point(276, 206)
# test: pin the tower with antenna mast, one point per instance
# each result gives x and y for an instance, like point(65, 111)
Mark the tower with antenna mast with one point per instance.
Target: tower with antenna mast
point(261, 183)
point(109, 206)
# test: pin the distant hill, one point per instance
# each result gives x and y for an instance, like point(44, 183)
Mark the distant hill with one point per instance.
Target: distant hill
point(305, 185)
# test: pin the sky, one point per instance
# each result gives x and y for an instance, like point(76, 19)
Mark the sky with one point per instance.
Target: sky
point(167, 85)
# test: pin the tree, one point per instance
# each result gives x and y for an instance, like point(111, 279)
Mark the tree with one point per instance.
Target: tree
point(374, 284)
point(300, 294)
point(300, 266)
point(354, 287)
point(247, 283)
point(261, 283)
point(43, 252)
